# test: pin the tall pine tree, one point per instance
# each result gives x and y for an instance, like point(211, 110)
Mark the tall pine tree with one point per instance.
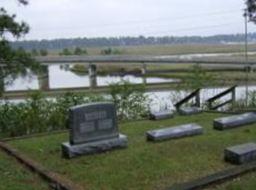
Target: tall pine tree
point(251, 10)
point(13, 61)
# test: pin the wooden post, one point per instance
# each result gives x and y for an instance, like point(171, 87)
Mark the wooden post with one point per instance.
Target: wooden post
point(194, 94)
point(233, 97)
point(209, 105)
point(197, 99)
point(231, 90)
point(1, 85)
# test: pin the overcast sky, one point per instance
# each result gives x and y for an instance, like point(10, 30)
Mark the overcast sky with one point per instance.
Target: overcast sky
point(51, 19)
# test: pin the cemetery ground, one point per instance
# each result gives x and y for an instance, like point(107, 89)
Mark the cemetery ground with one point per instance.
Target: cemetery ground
point(247, 182)
point(16, 177)
point(145, 165)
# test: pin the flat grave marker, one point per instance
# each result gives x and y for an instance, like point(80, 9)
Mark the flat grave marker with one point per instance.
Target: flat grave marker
point(241, 154)
point(174, 132)
point(165, 114)
point(234, 121)
point(93, 129)
point(189, 110)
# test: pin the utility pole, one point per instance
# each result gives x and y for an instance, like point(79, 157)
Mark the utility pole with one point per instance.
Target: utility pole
point(246, 55)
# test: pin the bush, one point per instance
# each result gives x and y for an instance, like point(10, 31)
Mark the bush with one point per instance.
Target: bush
point(130, 100)
point(110, 51)
point(39, 114)
point(79, 69)
point(65, 52)
point(242, 104)
point(198, 78)
point(79, 51)
point(43, 52)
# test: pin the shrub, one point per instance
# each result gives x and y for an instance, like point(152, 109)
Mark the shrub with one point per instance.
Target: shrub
point(130, 100)
point(198, 78)
point(43, 52)
point(251, 102)
point(40, 114)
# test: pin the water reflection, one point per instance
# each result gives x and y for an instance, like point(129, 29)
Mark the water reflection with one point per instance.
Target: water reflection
point(59, 76)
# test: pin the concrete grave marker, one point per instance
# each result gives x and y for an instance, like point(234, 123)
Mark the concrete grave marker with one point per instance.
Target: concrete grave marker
point(93, 129)
point(166, 114)
point(234, 121)
point(174, 132)
point(189, 110)
point(241, 154)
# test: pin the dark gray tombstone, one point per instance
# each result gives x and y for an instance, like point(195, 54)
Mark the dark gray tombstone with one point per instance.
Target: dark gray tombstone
point(166, 114)
point(189, 110)
point(93, 129)
point(241, 154)
point(174, 132)
point(234, 121)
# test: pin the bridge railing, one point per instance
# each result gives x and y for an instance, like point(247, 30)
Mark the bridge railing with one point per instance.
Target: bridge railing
point(195, 94)
point(210, 102)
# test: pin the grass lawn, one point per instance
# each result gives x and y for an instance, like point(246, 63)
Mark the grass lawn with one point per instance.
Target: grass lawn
point(15, 177)
point(143, 165)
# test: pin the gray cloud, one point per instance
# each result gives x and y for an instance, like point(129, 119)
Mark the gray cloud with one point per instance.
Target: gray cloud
point(92, 18)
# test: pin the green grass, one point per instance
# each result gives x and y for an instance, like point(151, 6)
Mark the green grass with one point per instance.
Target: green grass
point(143, 165)
point(15, 177)
point(247, 182)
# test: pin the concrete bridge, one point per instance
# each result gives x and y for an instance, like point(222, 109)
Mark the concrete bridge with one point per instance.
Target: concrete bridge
point(43, 77)
point(138, 59)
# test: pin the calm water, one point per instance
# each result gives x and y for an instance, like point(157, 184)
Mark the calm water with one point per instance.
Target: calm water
point(60, 77)
point(167, 99)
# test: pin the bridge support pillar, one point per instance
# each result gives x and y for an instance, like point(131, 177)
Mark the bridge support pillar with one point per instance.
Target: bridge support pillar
point(92, 75)
point(43, 78)
point(144, 72)
point(144, 69)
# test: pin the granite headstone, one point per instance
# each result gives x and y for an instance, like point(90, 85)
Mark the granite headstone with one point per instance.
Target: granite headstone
point(93, 129)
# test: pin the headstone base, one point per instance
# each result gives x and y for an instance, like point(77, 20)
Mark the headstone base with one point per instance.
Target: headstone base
point(241, 154)
point(71, 151)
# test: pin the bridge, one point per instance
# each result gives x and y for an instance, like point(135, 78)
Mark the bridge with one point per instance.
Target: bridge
point(137, 59)
point(144, 60)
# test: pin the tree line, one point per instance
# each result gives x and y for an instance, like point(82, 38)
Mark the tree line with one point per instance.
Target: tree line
point(130, 41)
